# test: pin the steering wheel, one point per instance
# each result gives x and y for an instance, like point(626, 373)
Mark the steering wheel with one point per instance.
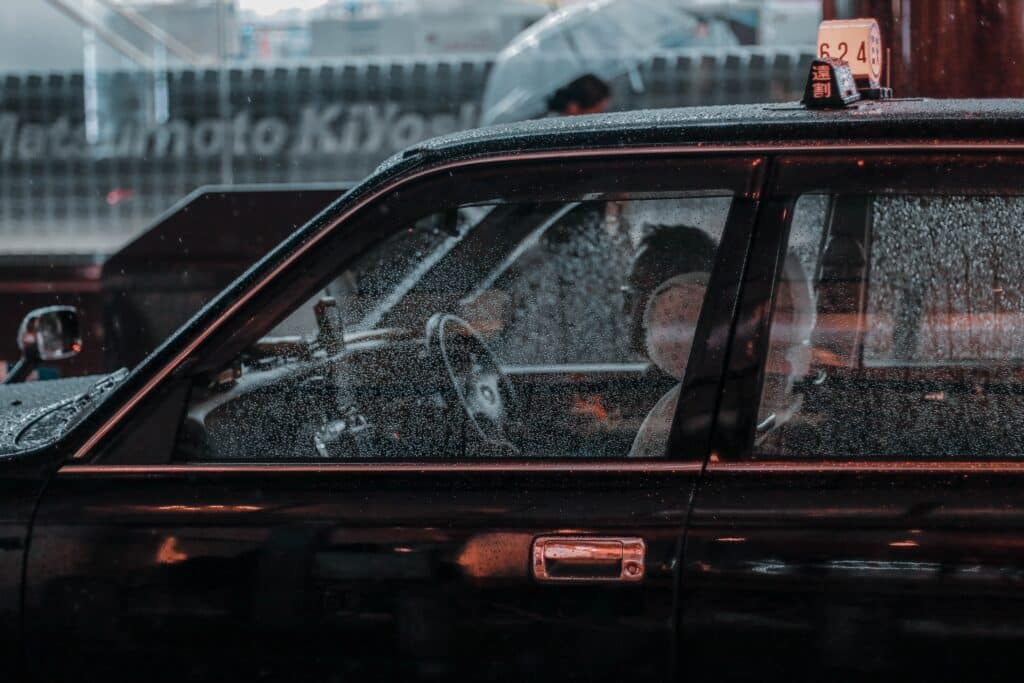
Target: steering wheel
point(485, 393)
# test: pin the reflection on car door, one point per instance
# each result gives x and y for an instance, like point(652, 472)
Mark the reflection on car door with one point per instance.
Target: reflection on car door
point(387, 571)
point(416, 570)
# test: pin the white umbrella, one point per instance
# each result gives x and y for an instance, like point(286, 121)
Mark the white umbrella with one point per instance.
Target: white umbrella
point(600, 37)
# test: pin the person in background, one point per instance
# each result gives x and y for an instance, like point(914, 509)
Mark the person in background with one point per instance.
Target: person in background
point(587, 94)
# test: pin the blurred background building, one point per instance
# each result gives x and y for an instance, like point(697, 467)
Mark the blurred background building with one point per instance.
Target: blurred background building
point(113, 110)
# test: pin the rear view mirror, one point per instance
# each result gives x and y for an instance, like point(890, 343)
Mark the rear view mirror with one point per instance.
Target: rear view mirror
point(46, 334)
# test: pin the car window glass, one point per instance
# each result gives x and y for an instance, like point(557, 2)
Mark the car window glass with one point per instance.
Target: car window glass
point(567, 293)
point(898, 330)
point(381, 271)
point(548, 329)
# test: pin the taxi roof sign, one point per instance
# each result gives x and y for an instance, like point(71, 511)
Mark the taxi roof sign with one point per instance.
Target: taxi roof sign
point(830, 84)
point(857, 42)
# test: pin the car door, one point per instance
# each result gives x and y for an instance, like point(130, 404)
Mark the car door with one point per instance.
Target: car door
point(337, 505)
point(864, 515)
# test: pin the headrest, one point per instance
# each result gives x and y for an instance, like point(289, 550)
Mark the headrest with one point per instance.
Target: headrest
point(670, 320)
point(795, 310)
point(790, 352)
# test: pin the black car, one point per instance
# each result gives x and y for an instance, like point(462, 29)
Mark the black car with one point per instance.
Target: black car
point(697, 394)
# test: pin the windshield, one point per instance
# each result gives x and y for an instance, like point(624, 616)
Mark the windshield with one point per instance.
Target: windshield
point(152, 150)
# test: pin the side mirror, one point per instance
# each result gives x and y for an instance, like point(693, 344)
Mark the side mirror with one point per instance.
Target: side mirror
point(46, 334)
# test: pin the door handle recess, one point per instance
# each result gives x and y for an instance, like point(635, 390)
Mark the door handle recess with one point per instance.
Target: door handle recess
point(588, 559)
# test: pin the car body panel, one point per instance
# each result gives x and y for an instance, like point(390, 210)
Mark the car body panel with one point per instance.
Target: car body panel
point(795, 571)
point(900, 565)
point(418, 572)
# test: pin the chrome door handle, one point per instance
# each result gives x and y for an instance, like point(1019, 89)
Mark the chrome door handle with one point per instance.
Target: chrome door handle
point(588, 559)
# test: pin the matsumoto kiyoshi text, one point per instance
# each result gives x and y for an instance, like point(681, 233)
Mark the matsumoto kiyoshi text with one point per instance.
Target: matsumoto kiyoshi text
point(334, 129)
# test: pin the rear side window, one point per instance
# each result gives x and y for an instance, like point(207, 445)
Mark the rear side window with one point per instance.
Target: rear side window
point(898, 330)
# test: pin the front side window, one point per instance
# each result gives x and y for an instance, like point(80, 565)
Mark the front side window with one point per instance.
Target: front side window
point(898, 330)
point(528, 329)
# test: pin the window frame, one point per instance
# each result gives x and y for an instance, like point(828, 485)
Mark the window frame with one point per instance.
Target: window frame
point(976, 170)
point(536, 175)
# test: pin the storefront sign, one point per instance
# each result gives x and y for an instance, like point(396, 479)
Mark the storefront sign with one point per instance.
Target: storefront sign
point(336, 129)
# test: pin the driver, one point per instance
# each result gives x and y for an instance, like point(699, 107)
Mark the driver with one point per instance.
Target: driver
point(667, 282)
point(669, 325)
point(665, 251)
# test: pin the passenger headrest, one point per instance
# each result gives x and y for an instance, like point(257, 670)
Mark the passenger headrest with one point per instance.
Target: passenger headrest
point(793, 319)
point(790, 353)
point(670, 320)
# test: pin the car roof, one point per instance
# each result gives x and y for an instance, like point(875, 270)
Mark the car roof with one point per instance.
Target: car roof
point(867, 120)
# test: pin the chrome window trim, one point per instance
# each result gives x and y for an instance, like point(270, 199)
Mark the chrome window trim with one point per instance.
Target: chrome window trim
point(960, 467)
point(689, 149)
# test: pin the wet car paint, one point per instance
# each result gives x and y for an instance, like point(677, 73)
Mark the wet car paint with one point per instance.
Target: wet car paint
point(883, 570)
point(264, 572)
